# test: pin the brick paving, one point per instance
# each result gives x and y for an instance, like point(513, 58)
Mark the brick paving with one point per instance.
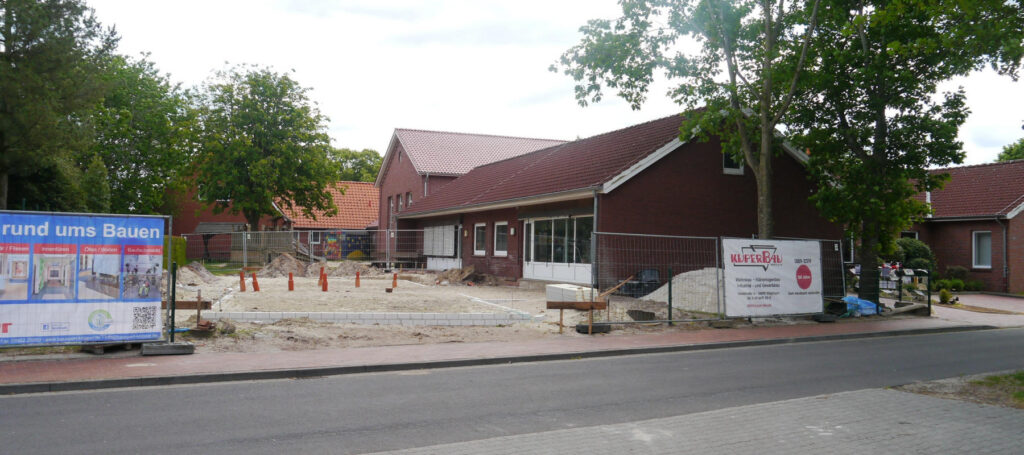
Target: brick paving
point(860, 422)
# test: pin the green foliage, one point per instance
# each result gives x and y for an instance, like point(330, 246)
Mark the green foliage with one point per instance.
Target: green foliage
point(945, 296)
point(974, 285)
point(95, 188)
point(940, 284)
point(361, 166)
point(1014, 151)
point(144, 133)
point(868, 111)
point(178, 253)
point(264, 143)
point(49, 82)
point(918, 264)
point(956, 284)
point(736, 87)
point(957, 272)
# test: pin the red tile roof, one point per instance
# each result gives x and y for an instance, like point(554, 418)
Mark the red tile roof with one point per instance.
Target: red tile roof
point(357, 208)
point(445, 153)
point(581, 164)
point(982, 190)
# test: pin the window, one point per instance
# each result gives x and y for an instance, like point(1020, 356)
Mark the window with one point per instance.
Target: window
point(398, 201)
point(408, 200)
point(581, 248)
point(982, 247)
point(501, 238)
point(542, 241)
point(908, 235)
point(439, 240)
point(730, 165)
point(528, 241)
point(480, 239)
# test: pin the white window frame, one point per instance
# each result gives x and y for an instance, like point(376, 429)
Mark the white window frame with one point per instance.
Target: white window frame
point(974, 250)
point(408, 199)
point(913, 235)
point(497, 252)
point(483, 237)
point(731, 170)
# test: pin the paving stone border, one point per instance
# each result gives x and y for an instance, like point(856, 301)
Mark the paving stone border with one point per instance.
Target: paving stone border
point(424, 319)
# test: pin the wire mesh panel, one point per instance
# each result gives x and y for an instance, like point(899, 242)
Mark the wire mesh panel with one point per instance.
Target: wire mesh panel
point(249, 249)
point(833, 279)
point(645, 274)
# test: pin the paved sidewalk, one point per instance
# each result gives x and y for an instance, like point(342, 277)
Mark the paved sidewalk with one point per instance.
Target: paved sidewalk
point(857, 423)
point(93, 373)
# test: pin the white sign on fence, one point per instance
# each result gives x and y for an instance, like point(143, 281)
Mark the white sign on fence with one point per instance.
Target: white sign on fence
point(771, 277)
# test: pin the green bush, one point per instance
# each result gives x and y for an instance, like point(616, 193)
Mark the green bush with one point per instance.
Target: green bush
point(956, 285)
point(974, 285)
point(918, 263)
point(945, 296)
point(179, 251)
point(956, 272)
point(940, 284)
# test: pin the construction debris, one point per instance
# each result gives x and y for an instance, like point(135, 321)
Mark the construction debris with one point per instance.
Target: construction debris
point(200, 271)
point(282, 265)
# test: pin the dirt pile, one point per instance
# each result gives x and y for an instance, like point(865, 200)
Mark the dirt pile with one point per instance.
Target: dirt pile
point(349, 268)
point(282, 265)
point(455, 275)
point(200, 271)
point(189, 277)
point(696, 290)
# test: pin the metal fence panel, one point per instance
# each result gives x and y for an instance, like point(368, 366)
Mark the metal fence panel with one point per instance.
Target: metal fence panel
point(651, 272)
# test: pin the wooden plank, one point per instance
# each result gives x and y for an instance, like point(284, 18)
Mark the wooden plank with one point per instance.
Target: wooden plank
point(604, 294)
point(577, 305)
point(187, 305)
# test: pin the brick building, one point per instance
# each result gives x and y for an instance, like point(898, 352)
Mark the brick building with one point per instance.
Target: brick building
point(977, 224)
point(531, 216)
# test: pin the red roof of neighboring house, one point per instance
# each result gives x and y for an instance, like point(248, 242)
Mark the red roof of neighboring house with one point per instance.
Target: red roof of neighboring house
point(453, 154)
point(357, 208)
point(581, 164)
point(983, 190)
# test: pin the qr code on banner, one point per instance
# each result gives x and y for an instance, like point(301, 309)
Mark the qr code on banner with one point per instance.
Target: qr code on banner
point(144, 317)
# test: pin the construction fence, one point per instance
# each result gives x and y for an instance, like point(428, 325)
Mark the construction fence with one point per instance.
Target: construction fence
point(640, 275)
point(257, 248)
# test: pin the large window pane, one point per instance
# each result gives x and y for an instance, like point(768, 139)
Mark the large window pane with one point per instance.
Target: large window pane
point(983, 249)
point(561, 240)
point(480, 239)
point(542, 241)
point(584, 228)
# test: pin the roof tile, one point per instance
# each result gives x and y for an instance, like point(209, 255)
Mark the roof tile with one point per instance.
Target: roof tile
point(439, 152)
point(357, 208)
point(982, 190)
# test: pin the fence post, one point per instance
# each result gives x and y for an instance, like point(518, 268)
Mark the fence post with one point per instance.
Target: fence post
point(245, 239)
point(719, 291)
point(387, 249)
point(593, 267)
point(670, 277)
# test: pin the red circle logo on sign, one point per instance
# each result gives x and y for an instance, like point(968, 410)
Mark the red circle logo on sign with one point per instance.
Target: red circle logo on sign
point(803, 276)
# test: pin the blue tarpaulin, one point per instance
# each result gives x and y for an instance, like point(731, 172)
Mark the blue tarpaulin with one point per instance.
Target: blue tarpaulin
point(865, 307)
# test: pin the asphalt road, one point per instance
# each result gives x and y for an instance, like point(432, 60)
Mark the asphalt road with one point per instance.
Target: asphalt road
point(385, 411)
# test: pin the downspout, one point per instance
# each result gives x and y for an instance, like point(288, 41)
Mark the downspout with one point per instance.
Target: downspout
point(1006, 266)
point(593, 251)
point(426, 181)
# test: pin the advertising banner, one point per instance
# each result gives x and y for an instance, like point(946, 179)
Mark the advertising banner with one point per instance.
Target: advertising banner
point(771, 277)
point(73, 279)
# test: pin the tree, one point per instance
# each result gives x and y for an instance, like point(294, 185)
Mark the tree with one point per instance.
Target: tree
point(49, 58)
point(95, 187)
point(264, 143)
point(359, 166)
point(1014, 151)
point(868, 111)
point(144, 134)
point(760, 45)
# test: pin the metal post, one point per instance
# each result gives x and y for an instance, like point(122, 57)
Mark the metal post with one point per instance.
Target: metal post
point(670, 276)
point(929, 292)
point(593, 266)
point(170, 257)
point(245, 252)
point(173, 280)
point(719, 292)
point(387, 249)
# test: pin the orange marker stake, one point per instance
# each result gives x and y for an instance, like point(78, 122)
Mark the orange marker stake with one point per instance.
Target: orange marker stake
point(394, 281)
point(357, 279)
point(291, 282)
point(324, 277)
point(255, 284)
point(241, 278)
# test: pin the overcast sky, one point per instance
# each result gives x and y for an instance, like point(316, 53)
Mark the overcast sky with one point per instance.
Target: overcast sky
point(467, 66)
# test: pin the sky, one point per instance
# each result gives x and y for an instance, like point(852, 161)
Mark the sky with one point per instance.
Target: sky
point(465, 66)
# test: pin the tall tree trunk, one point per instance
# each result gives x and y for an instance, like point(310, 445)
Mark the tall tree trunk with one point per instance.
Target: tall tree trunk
point(765, 212)
point(868, 263)
point(3, 189)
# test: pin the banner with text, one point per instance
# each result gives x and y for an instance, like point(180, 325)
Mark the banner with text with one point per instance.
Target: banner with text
point(72, 279)
point(771, 277)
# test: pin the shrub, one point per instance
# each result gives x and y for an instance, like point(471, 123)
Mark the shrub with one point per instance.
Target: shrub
point(956, 285)
point(179, 251)
point(940, 284)
point(918, 263)
point(945, 296)
point(956, 272)
point(974, 285)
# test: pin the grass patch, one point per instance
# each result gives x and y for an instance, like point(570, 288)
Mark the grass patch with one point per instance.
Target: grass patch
point(1012, 385)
